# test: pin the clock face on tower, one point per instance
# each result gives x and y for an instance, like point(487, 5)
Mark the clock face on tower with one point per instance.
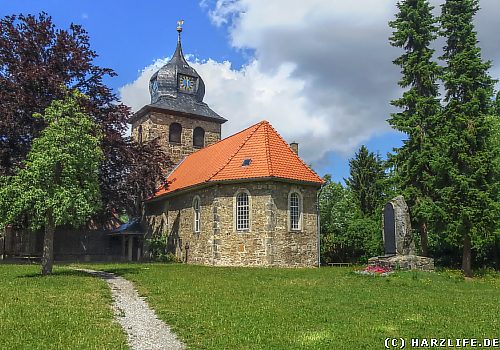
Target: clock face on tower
point(186, 83)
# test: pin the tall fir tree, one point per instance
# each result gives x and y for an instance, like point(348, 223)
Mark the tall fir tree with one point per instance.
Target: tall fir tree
point(495, 145)
point(415, 28)
point(366, 180)
point(495, 139)
point(466, 169)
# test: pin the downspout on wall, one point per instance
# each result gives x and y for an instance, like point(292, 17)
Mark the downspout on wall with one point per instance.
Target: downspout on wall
point(318, 215)
point(215, 213)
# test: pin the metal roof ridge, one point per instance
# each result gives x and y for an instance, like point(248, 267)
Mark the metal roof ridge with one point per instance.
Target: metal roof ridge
point(268, 152)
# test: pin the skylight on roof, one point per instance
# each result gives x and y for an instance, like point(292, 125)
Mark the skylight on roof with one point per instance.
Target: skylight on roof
point(246, 162)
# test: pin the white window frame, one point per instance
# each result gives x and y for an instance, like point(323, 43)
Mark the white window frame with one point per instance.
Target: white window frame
point(237, 224)
point(299, 206)
point(196, 214)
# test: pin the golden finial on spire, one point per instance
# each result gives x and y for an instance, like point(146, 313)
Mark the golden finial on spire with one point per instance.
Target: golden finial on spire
point(179, 30)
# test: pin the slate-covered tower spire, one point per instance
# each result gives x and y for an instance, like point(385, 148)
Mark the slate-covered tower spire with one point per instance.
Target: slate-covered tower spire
point(177, 114)
point(176, 77)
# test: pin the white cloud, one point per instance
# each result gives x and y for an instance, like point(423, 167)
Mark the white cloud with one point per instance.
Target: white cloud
point(252, 19)
point(223, 11)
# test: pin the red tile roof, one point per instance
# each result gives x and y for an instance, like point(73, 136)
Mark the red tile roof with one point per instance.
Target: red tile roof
point(270, 156)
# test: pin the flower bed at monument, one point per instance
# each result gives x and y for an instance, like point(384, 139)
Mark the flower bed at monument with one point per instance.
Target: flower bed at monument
point(375, 271)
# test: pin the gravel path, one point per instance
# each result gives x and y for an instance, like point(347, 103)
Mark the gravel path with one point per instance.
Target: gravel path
point(144, 330)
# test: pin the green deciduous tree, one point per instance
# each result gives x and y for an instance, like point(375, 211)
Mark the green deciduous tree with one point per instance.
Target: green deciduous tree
point(465, 171)
point(415, 29)
point(337, 209)
point(59, 182)
point(366, 180)
point(346, 235)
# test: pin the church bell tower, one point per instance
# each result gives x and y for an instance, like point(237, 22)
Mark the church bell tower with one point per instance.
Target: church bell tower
point(177, 115)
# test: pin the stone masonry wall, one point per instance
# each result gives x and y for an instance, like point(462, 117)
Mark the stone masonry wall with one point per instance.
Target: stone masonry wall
point(157, 124)
point(269, 242)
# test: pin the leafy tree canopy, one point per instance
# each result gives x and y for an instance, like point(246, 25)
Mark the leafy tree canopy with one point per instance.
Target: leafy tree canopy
point(346, 235)
point(61, 172)
point(59, 182)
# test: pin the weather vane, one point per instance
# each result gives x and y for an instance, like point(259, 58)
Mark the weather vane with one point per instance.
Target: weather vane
point(179, 25)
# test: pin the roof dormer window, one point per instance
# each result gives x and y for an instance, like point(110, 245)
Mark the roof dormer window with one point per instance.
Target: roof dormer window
point(246, 162)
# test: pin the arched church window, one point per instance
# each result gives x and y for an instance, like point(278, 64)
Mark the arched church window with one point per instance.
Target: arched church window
point(199, 137)
point(175, 133)
point(295, 211)
point(197, 214)
point(242, 211)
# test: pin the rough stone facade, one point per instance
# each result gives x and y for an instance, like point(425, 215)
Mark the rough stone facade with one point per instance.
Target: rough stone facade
point(268, 242)
point(156, 125)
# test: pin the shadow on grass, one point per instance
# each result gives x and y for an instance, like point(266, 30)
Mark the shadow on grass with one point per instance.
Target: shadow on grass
point(71, 269)
point(112, 268)
point(120, 271)
point(67, 272)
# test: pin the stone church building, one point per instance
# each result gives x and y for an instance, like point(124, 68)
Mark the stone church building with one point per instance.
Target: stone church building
point(245, 200)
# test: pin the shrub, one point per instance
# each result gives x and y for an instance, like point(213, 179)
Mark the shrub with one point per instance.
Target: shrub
point(158, 250)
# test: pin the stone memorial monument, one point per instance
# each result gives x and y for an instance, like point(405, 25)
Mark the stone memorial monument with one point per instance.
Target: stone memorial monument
point(399, 247)
point(397, 228)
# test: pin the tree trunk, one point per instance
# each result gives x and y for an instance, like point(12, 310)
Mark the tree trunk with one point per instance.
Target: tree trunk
point(424, 239)
point(48, 245)
point(467, 256)
point(496, 253)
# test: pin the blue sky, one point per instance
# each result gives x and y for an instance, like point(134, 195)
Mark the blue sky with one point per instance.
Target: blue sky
point(320, 71)
point(128, 35)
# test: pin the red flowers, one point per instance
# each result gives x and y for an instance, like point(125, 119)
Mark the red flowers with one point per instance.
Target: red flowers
point(375, 270)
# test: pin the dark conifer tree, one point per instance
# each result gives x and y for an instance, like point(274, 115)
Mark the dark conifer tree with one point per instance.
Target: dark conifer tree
point(495, 145)
point(414, 30)
point(466, 172)
point(366, 180)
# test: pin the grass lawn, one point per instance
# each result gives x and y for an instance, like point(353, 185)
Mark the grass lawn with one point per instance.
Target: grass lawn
point(68, 310)
point(327, 308)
